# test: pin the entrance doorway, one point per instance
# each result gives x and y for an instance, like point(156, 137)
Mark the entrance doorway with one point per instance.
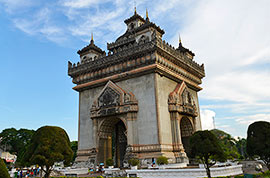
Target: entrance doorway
point(112, 141)
point(186, 132)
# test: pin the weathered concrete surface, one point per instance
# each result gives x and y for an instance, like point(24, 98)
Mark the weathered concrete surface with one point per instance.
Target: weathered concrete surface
point(144, 91)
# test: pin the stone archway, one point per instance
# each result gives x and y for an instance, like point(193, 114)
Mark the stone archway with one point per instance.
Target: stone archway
point(187, 130)
point(112, 141)
point(183, 111)
point(111, 112)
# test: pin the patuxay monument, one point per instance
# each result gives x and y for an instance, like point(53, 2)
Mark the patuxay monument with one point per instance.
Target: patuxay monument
point(139, 100)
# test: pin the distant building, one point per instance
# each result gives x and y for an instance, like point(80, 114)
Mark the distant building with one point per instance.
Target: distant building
point(8, 157)
point(139, 100)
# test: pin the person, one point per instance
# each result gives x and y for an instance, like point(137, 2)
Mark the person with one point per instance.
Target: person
point(154, 164)
point(16, 174)
point(35, 171)
point(21, 174)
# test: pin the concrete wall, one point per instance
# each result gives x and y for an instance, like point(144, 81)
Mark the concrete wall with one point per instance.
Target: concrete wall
point(164, 87)
point(87, 97)
point(143, 89)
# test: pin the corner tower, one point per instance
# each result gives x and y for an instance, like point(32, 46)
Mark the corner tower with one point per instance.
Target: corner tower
point(138, 100)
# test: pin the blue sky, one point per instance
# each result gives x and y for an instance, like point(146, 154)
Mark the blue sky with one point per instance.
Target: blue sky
point(38, 37)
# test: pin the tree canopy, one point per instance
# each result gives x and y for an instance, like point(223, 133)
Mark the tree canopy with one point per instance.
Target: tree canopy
point(15, 141)
point(48, 145)
point(258, 141)
point(227, 143)
point(206, 147)
point(3, 170)
point(74, 147)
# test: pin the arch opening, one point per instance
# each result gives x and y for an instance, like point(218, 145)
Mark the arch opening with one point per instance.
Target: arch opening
point(186, 132)
point(112, 141)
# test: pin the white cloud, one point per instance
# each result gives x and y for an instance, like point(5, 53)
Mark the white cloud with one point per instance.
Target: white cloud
point(80, 3)
point(243, 107)
point(13, 6)
point(207, 119)
point(247, 120)
point(238, 86)
point(41, 24)
point(232, 39)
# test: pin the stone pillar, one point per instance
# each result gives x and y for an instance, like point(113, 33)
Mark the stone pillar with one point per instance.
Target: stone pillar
point(132, 135)
point(175, 131)
point(178, 149)
point(95, 133)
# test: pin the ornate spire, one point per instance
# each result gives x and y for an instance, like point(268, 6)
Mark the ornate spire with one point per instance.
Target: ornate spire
point(135, 11)
point(147, 14)
point(182, 49)
point(92, 38)
point(91, 46)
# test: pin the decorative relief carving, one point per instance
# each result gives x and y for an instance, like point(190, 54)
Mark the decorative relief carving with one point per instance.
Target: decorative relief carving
point(186, 127)
point(151, 148)
point(181, 100)
point(108, 98)
point(113, 100)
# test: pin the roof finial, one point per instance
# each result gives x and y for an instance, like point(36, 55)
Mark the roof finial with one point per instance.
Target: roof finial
point(147, 14)
point(179, 39)
point(135, 11)
point(92, 38)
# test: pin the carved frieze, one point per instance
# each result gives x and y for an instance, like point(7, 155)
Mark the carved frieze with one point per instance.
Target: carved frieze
point(181, 100)
point(113, 100)
point(109, 98)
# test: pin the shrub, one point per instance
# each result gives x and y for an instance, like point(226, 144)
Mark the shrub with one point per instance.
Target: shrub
point(240, 176)
point(134, 162)
point(162, 160)
point(109, 162)
point(3, 170)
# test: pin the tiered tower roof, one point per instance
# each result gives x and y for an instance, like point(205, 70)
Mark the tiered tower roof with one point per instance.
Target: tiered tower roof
point(90, 47)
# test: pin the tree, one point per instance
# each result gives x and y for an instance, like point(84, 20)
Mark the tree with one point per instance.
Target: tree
point(15, 141)
point(227, 143)
point(3, 170)
point(74, 147)
point(48, 145)
point(206, 147)
point(241, 145)
point(258, 141)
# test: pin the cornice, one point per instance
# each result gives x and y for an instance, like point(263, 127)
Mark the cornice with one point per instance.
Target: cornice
point(134, 57)
point(169, 52)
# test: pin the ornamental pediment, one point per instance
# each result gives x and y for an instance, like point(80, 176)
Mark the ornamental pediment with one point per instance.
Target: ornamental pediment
point(113, 100)
point(182, 101)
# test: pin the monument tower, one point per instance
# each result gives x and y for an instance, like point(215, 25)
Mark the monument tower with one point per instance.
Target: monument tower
point(139, 99)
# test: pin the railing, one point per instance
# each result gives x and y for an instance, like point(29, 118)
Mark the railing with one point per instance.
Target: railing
point(187, 173)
